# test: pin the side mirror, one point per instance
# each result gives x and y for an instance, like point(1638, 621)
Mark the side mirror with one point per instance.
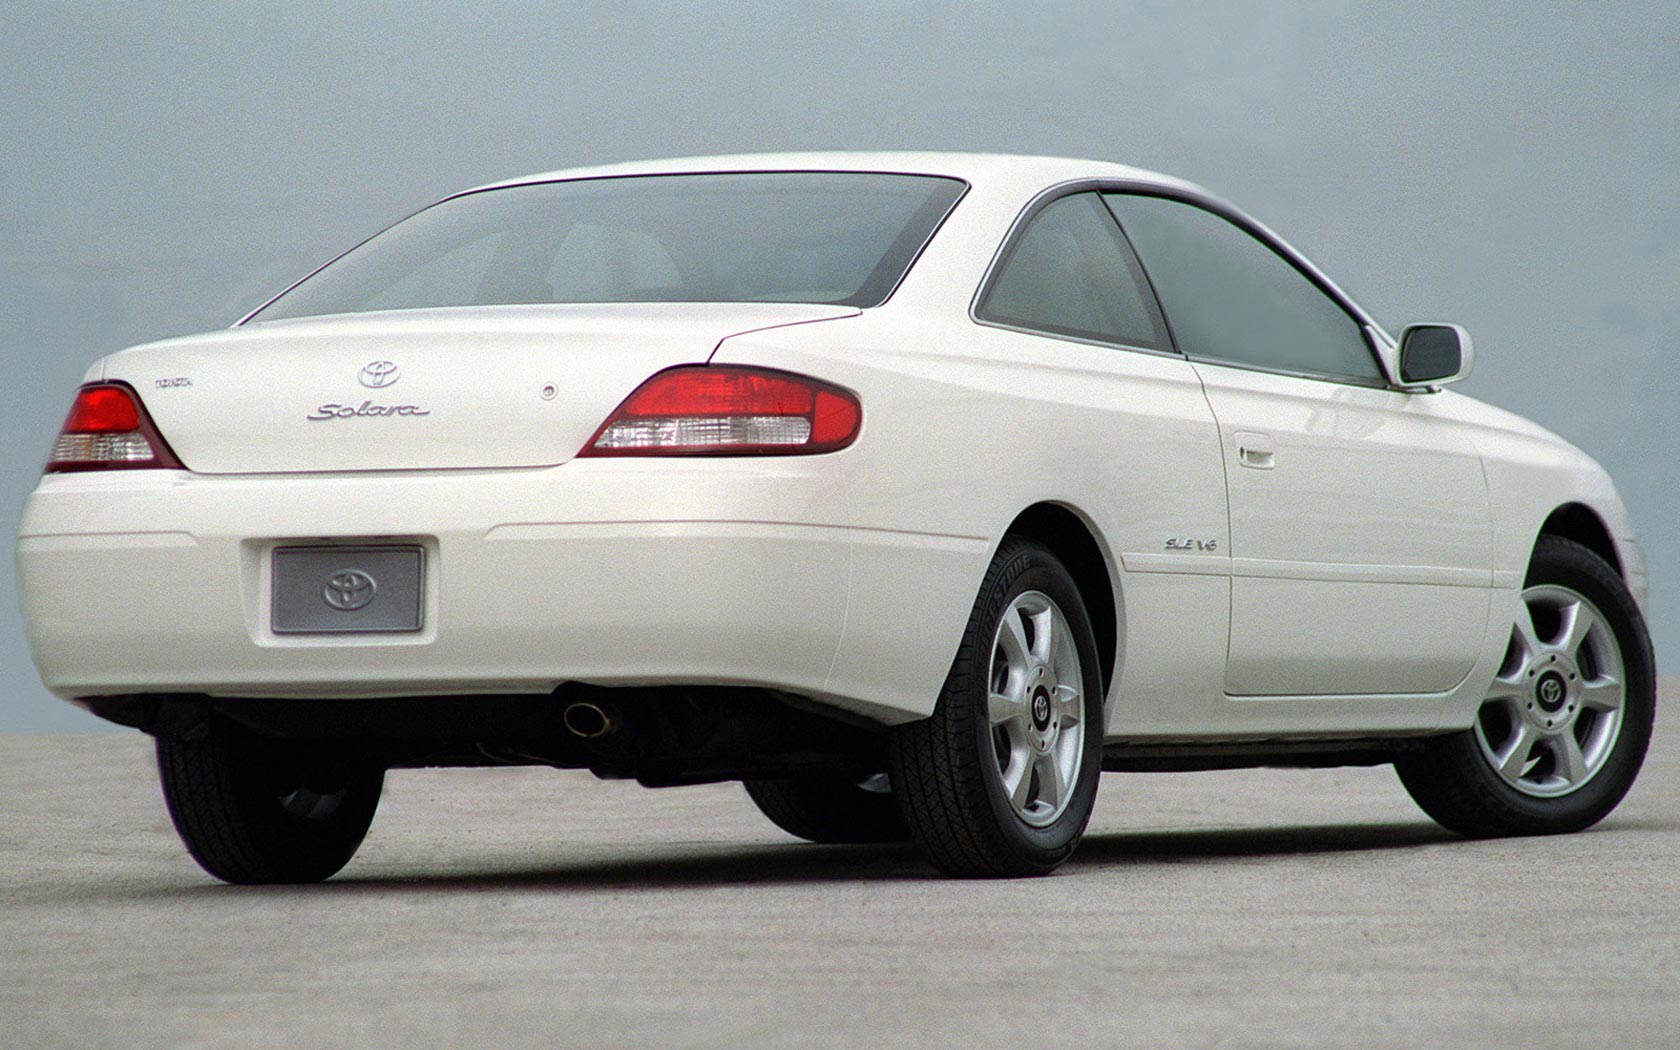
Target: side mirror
point(1433, 355)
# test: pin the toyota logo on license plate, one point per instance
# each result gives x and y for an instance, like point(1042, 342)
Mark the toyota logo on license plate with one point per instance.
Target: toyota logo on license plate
point(349, 590)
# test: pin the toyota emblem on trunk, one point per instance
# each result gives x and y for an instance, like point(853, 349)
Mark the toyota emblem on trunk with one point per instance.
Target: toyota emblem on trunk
point(349, 590)
point(377, 374)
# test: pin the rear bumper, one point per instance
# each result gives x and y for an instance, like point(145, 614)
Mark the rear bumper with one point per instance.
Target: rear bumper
point(633, 572)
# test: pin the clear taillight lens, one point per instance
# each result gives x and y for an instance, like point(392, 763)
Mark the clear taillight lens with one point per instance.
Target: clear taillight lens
point(108, 429)
point(702, 410)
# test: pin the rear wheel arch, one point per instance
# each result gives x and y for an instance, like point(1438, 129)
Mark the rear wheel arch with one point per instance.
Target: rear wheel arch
point(1072, 540)
point(1579, 522)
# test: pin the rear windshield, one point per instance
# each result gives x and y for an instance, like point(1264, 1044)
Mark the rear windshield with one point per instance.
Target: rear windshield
point(786, 237)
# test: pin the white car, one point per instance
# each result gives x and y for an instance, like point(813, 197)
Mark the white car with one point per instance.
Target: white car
point(913, 490)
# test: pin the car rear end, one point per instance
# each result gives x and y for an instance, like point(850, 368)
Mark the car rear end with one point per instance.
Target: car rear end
point(229, 537)
point(438, 474)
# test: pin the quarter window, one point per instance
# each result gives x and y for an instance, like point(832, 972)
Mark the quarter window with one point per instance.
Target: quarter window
point(1230, 297)
point(1070, 273)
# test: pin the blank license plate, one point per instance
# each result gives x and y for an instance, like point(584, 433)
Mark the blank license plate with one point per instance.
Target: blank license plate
point(341, 590)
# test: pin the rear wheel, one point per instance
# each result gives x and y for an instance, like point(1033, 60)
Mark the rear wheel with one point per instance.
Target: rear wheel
point(250, 813)
point(831, 809)
point(1002, 778)
point(1563, 731)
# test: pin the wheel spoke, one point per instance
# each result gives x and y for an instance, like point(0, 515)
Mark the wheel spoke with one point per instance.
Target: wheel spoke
point(1508, 690)
point(1572, 765)
point(1045, 630)
point(1017, 779)
point(1524, 631)
point(1004, 710)
point(1602, 694)
point(1578, 622)
point(1513, 758)
point(1068, 707)
point(1012, 636)
point(1051, 787)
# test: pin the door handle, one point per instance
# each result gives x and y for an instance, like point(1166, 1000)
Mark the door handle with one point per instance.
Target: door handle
point(1254, 450)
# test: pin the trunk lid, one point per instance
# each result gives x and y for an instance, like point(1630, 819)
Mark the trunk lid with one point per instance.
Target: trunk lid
point(516, 386)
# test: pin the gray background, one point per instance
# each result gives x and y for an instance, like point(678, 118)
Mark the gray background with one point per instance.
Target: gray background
point(1510, 166)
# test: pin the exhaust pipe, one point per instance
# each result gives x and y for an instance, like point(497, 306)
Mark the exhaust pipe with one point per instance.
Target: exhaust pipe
point(590, 721)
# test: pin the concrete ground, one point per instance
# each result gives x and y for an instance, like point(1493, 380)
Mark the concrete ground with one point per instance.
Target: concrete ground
point(531, 907)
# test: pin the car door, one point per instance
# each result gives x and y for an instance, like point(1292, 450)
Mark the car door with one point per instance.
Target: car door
point(1361, 538)
point(1071, 301)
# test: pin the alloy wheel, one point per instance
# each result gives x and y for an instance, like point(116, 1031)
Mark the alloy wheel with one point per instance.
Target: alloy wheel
point(1035, 708)
point(1554, 712)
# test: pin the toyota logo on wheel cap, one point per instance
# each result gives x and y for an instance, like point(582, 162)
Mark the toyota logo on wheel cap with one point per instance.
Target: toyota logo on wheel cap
point(349, 590)
point(377, 374)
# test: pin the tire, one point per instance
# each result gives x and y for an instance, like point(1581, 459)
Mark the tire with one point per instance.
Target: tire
point(1564, 729)
point(830, 809)
point(1001, 782)
point(252, 814)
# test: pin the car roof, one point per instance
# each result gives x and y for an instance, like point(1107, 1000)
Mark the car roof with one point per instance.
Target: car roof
point(978, 169)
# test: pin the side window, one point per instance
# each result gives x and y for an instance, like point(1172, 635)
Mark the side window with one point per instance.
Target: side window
point(1070, 273)
point(1230, 297)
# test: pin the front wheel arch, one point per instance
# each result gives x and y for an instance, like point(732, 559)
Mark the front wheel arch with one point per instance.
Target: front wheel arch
point(1583, 525)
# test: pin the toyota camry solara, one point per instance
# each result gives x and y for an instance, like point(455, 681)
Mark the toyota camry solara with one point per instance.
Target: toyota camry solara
point(911, 490)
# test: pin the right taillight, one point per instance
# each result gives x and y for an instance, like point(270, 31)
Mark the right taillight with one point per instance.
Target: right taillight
point(706, 410)
point(108, 429)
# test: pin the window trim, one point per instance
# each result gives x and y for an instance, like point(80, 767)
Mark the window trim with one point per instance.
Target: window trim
point(1222, 209)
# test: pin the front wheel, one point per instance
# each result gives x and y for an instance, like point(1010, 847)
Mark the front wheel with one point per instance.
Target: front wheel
point(251, 813)
point(1563, 731)
point(1002, 778)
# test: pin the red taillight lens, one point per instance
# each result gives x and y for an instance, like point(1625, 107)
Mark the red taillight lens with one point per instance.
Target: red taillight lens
point(107, 429)
point(102, 410)
point(701, 410)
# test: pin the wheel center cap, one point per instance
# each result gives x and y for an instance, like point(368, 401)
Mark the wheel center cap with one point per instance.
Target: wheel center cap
point(1040, 709)
point(1550, 691)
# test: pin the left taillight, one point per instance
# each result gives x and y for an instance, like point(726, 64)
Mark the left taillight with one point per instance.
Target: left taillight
point(108, 429)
